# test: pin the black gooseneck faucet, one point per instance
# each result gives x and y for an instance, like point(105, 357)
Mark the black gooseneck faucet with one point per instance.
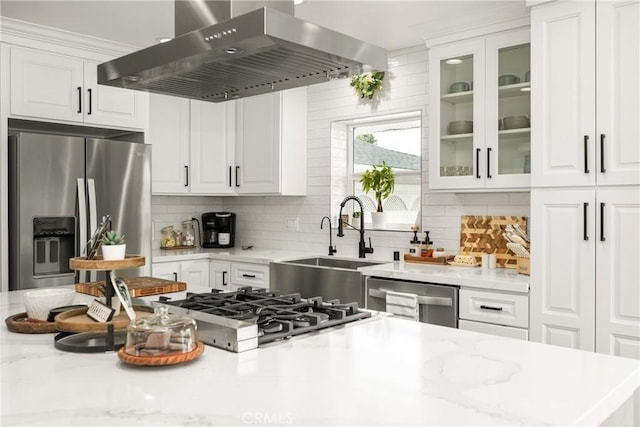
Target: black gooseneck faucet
point(362, 248)
point(332, 247)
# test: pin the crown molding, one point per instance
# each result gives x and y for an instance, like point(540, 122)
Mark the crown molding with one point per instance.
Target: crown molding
point(492, 18)
point(37, 36)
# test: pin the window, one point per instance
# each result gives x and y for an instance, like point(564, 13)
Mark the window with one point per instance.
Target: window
point(394, 140)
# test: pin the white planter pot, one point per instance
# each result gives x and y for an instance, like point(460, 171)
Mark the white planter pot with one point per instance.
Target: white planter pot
point(113, 252)
point(378, 220)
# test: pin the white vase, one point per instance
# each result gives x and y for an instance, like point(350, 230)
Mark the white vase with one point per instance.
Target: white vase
point(378, 220)
point(113, 252)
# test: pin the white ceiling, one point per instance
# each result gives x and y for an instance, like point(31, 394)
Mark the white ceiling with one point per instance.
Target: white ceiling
point(392, 24)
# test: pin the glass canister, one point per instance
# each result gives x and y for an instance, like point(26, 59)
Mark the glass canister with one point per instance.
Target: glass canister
point(188, 233)
point(168, 237)
point(161, 333)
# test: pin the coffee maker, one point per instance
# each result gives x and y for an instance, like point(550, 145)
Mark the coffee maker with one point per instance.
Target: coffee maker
point(219, 229)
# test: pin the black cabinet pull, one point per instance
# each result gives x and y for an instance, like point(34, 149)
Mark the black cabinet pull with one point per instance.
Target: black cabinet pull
point(224, 277)
point(230, 176)
point(478, 163)
point(489, 162)
point(602, 239)
point(237, 170)
point(488, 307)
point(602, 138)
point(79, 100)
point(186, 176)
point(586, 154)
point(90, 102)
point(585, 235)
point(175, 277)
point(250, 276)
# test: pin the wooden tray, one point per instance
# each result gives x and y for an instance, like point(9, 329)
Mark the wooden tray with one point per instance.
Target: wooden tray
point(20, 323)
point(165, 359)
point(98, 264)
point(481, 234)
point(427, 260)
point(78, 321)
point(138, 286)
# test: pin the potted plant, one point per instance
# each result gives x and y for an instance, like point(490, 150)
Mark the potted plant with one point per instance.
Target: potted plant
point(367, 84)
point(381, 181)
point(113, 246)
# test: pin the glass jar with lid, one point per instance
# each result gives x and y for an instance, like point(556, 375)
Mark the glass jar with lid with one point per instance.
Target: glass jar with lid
point(161, 333)
point(169, 238)
point(188, 233)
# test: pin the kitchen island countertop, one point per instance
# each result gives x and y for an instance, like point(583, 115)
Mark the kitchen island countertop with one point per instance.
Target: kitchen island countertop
point(380, 371)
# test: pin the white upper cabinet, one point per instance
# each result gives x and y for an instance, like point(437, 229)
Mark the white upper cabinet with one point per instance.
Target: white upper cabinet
point(477, 84)
point(169, 136)
point(271, 144)
point(253, 146)
point(581, 142)
point(63, 88)
point(192, 145)
point(618, 93)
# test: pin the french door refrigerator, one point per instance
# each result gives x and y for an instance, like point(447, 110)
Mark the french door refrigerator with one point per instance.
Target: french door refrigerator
point(60, 187)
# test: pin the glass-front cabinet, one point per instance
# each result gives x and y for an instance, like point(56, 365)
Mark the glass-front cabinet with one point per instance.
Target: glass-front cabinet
point(479, 113)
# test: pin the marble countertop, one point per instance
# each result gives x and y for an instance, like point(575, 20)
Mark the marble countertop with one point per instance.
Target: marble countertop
point(503, 279)
point(380, 371)
point(258, 256)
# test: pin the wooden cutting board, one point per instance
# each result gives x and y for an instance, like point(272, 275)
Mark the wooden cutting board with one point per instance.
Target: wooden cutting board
point(138, 287)
point(481, 234)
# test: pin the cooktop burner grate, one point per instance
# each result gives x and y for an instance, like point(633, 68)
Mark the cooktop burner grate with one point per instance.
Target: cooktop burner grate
point(275, 316)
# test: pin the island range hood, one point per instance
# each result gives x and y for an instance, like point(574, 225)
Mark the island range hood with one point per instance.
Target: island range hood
point(263, 50)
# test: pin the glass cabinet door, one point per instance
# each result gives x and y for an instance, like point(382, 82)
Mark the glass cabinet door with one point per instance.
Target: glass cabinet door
point(509, 110)
point(457, 76)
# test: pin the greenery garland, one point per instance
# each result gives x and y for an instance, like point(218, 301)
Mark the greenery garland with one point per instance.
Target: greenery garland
point(367, 84)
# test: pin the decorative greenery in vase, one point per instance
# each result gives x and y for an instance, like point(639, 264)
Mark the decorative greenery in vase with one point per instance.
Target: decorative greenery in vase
point(367, 84)
point(380, 180)
point(113, 246)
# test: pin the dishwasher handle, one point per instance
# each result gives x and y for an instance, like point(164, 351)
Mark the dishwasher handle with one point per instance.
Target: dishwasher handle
point(424, 300)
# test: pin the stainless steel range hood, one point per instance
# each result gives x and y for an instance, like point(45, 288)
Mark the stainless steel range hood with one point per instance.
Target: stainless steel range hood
point(261, 51)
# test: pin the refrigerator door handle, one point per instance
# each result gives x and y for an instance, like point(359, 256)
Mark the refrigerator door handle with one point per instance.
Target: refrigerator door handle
point(93, 217)
point(82, 218)
point(82, 226)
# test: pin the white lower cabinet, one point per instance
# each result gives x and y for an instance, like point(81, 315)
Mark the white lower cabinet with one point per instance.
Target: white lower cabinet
point(195, 273)
point(497, 313)
point(248, 274)
point(584, 278)
point(219, 275)
point(487, 328)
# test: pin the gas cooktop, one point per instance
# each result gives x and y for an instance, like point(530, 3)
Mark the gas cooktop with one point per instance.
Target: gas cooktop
point(242, 320)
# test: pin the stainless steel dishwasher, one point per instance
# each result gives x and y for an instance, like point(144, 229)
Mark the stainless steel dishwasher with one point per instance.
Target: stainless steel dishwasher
point(438, 304)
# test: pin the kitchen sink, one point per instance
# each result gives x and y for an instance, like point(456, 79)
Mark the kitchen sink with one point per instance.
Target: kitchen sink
point(328, 277)
point(350, 264)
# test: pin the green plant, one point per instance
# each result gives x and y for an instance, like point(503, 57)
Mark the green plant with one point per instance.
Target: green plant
point(368, 138)
point(112, 238)
point(367, 84)
point(380, 180)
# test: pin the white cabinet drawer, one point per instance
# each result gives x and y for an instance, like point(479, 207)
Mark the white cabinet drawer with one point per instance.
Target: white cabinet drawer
point(494, 307)
point(487, 328)
point(245, 274)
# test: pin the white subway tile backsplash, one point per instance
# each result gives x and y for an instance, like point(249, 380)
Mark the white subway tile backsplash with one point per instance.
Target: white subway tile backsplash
point(261, 219)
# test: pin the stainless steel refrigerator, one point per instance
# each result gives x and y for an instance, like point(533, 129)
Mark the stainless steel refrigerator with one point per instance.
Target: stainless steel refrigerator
point(60, 187)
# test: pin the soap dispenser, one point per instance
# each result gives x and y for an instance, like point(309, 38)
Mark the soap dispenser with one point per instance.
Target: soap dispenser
point(426, 246)
point(414, 247)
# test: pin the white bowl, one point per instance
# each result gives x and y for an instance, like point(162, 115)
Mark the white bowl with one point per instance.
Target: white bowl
point(39, 302)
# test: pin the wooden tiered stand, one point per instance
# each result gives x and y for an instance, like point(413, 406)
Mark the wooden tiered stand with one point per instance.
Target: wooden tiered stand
point(80, 333)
